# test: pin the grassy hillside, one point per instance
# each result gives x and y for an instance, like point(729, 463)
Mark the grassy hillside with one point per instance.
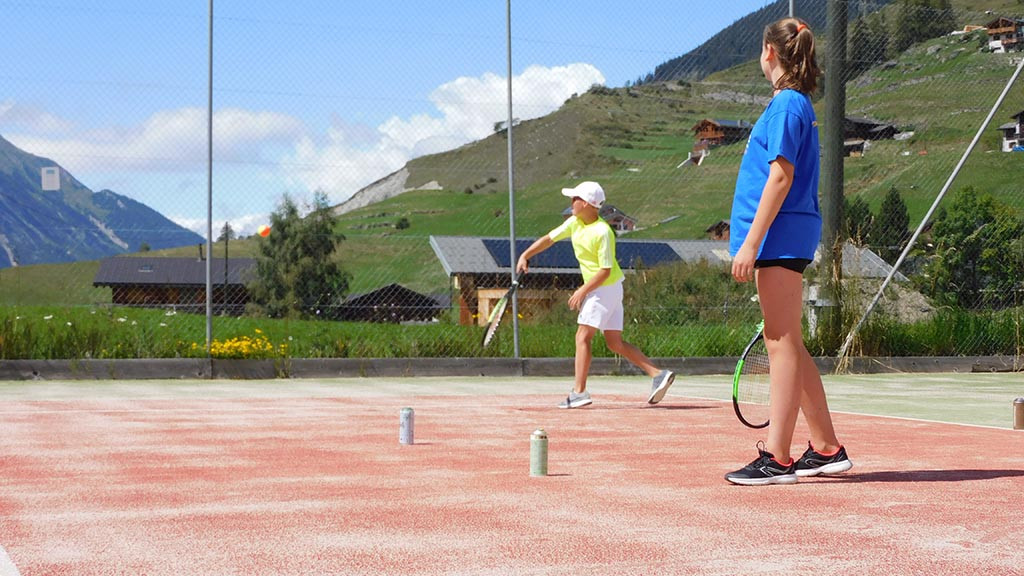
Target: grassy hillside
point(942, 91)
point(631, 140)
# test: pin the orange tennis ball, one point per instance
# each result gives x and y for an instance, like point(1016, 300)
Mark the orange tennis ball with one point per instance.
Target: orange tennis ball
point(263, 230)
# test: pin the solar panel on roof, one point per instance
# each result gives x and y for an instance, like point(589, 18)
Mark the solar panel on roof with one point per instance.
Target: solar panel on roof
point(560, 255)
point(635, 254)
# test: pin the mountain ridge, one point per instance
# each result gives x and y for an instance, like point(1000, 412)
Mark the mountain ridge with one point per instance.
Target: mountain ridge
point(72, 223)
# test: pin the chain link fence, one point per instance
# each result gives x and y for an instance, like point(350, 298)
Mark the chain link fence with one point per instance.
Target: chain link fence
point(359, 176)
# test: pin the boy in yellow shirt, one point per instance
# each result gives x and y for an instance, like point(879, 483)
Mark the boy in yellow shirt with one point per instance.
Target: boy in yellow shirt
point(599, 299)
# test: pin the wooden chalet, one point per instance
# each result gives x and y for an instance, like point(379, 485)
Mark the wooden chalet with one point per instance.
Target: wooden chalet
point(854, 148)
point(718, 231)
point(1013, 133)
point(480, 268)
point(1005, 34)
point(176, 283)
point(710, 132)
point(393, 303)
point(860, 128)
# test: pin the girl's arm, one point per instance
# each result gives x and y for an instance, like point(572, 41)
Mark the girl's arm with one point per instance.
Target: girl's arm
point(780, 179)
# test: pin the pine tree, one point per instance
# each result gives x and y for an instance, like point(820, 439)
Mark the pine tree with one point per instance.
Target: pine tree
point(226, 233)
point(857, 219)
point(889, 232)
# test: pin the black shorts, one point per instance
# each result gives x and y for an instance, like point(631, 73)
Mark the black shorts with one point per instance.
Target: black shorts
point(797, 265)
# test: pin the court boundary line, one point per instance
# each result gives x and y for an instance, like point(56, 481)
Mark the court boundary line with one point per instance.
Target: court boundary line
point(278, 409)
point(906, 418)
point(7, 567)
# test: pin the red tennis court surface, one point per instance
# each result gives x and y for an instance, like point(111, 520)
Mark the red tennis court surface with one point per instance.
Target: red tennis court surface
point(309, 478)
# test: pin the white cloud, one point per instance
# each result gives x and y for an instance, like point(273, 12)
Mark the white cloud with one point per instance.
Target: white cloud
point(162, 161)
point(245, 225)
point(170, 140)
point(467, 110)
point(19, 117)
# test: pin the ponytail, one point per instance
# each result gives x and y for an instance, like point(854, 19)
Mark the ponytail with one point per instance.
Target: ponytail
point(793, 42)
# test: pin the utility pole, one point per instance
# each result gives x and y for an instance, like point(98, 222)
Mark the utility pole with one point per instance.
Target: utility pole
point(831, 269)
point(209, 178)
point(511, 182)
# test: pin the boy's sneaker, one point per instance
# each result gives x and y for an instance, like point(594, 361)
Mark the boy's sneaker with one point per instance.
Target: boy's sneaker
point(813, 462)
point(764, 470)
point(660, 386)
point(575, 400)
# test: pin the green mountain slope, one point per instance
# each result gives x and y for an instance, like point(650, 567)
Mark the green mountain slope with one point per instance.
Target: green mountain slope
point(632, 139)
point(740, 41)
point(73, 223)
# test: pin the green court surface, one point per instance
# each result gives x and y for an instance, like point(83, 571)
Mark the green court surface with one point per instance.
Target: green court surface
point(982, 399)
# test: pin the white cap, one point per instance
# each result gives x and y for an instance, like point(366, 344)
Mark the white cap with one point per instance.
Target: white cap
point(591, 192)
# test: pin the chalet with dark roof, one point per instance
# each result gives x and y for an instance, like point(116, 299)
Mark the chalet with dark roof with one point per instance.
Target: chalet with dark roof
point(860, 128)
point(718, 231)
point(394, 304)
point(177, 283)
point(1005, 34)
point(858, 132)
point(480, 268)
point(1013, 133)
point(617, 219)
point(711, 132)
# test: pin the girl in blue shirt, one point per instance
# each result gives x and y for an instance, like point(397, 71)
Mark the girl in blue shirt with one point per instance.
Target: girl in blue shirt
point(774, 230)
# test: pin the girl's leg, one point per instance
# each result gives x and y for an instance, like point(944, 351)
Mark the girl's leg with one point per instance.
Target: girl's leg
point(780, 292)
point(613, 338)
point(584, 347)
point(814, 405)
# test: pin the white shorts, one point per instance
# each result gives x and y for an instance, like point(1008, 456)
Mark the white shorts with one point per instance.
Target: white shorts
point(602, 308)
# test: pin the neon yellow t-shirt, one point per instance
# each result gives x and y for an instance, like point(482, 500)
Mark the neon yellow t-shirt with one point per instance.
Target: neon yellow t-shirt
point(594, 245)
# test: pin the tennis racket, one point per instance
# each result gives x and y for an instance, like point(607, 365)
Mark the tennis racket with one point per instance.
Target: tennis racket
point(750, 383)
point(494, 318)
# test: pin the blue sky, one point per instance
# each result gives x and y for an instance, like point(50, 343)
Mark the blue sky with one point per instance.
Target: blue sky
point(308, 94)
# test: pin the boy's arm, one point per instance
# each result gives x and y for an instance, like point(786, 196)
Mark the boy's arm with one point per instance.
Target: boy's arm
point(540, 245)
point(576, 300)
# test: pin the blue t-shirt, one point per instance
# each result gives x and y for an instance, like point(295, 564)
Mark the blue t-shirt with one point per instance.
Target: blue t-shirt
point(787, 128)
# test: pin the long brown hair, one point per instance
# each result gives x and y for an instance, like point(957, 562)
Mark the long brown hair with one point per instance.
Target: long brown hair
point(793, 43)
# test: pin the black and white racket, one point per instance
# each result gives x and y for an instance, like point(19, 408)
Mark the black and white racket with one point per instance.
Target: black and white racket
point(494, 318)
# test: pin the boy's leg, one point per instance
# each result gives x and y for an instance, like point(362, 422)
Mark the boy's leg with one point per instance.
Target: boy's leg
point(661, 379)
point(584, 352)
point(613, 338)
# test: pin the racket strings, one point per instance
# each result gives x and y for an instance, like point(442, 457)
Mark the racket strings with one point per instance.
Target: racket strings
point(752, 390)
point(495, 320)
point(754, 381)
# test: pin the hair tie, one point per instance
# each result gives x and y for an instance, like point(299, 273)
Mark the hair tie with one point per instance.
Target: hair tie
point(800, 27)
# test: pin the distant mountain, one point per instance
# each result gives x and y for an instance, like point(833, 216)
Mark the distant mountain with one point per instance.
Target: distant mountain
point(741, 41)
point(73, 223)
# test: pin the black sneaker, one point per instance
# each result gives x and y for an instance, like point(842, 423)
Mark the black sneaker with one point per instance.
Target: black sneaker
point(813, 462)
point(764, 470)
